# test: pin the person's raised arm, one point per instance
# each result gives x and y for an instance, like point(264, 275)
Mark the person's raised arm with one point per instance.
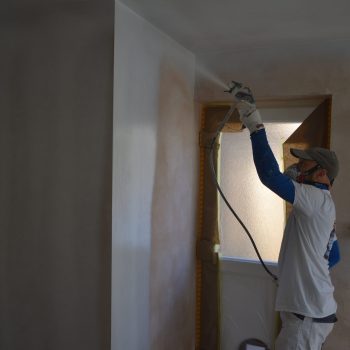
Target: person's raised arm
point(265, 162)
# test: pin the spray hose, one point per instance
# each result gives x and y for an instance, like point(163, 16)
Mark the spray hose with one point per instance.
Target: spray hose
point(214, 176)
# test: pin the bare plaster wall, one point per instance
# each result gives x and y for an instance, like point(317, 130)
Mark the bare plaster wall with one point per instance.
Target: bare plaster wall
point(56, 69)
point(154, 189)
point(303, 71)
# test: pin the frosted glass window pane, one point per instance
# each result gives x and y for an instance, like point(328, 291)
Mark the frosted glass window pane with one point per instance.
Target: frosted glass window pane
point(261, 210)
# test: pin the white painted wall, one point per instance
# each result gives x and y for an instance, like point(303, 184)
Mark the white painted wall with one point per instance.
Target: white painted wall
point(303, 70)
point(56, 95)
point(154, 189)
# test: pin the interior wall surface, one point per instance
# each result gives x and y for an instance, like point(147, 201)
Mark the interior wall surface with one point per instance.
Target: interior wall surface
point(247, 303)
point(154, 189)
point(304, 70)
point(56, 69)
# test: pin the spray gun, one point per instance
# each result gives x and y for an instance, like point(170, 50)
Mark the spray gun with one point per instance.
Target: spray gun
point(245, 102)
point(241, 93)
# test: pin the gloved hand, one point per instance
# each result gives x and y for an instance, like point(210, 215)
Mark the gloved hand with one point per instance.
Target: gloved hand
point(250, 118)
point(249, 115)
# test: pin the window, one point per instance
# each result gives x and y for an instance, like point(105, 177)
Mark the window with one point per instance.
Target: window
point(261, 210)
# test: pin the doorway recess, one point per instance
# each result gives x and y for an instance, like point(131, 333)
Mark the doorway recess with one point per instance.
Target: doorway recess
point(313, 131)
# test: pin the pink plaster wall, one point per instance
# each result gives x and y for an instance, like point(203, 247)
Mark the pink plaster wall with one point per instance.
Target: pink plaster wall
point(173, 216)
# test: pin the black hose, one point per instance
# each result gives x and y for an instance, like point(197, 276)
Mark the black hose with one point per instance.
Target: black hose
point(214, 176)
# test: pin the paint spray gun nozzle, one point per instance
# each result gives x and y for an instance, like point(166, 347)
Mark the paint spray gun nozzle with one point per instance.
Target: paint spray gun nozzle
point(232, 86)
point(241, 93)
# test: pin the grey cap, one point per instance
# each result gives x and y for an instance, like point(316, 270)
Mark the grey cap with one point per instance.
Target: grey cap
point(326, 158)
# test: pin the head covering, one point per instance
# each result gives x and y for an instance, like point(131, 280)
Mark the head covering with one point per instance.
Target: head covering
point(326, 158)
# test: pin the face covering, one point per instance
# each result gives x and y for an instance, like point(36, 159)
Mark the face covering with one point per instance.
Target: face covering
point(295, 174)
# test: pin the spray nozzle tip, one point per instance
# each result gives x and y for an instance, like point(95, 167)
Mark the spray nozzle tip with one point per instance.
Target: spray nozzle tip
point(233, 85)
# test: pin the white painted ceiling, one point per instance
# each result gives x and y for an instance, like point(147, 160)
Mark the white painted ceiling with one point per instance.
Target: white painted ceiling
point(210, 26)
point(223, 33)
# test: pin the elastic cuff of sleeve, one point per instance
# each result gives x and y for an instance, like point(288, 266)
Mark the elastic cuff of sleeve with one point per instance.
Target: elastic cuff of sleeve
point(259, 128)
